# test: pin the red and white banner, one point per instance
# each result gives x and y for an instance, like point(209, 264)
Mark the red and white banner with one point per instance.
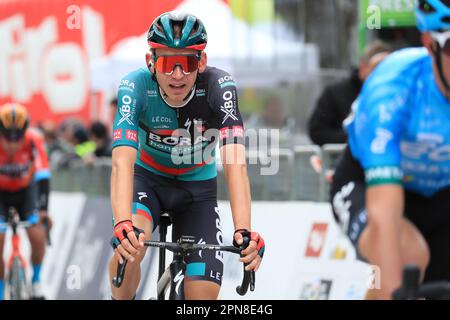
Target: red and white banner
point(47, 45)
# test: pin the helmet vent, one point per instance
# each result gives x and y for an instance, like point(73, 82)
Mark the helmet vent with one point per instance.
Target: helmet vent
point(426, 7)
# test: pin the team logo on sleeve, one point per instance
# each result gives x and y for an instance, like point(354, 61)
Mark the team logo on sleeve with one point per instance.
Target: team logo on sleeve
point(235, 131)
point(228, 107)
point(125, 110)
point(132, 135)
point(117, 134)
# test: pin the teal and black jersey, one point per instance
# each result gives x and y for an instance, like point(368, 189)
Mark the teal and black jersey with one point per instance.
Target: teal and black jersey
point(178, 143)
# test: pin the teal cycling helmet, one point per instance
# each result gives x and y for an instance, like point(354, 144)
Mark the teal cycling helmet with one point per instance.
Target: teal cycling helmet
point(433, 15)
point(177, 30)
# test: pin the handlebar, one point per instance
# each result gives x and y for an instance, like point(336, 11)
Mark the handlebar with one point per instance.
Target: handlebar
point(411, 290)
point(186, 246)
point(25, 224)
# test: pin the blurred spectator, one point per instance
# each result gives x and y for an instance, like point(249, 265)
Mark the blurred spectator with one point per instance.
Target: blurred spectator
point(56, 149)
point(83, 147)
point(75, 138)
point(333, 106)
point(273, 116)
point(100, 136)
point(66, 130)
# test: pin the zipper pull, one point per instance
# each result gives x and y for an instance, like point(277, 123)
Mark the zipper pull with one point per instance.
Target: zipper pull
point(178, 113)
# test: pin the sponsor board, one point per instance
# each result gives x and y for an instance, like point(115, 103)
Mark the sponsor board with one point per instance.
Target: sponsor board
point(76, 264)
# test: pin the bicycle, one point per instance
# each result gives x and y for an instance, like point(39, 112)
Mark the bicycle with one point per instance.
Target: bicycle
point(16, 268)
point(411, 288)
point(174, 274)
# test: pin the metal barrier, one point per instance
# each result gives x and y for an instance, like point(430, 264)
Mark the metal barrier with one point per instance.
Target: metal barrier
point(294, 179)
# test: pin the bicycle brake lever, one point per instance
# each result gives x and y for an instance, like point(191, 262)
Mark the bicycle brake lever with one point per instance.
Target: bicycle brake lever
point(118, 279)
point(252, 280)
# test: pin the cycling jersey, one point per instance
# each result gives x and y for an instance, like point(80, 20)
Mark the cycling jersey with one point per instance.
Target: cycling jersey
point(400, 128)
point(29, 164)
point(177, 142)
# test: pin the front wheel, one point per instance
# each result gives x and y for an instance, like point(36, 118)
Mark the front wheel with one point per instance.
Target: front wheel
point(17, 281)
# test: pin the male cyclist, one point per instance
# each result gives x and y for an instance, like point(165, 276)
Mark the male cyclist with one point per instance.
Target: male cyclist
point(164, 142)
point(24, 184)
point(391, 191)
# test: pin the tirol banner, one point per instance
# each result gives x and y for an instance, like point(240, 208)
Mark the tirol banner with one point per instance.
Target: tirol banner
point(47, 46)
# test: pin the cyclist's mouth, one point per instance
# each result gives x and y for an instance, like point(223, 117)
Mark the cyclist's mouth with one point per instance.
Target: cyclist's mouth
point(177, 86)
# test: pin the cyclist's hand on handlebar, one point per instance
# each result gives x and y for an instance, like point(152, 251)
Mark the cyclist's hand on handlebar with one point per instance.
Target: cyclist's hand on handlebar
point(127, 240)
point(254, 251)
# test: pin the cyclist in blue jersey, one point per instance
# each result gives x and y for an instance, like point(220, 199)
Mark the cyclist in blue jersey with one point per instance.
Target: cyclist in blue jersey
point(170, 117)
point(391, 190)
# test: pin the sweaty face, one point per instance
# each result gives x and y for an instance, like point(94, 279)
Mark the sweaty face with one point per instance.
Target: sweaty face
point(178, 84)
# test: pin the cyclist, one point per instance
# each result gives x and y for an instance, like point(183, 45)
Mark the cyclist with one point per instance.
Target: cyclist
point(391, 190)
point(165, 120)
point(24, 184)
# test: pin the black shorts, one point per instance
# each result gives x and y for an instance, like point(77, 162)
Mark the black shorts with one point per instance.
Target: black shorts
point(195, 213)
point(25, 203)
point(431, 215)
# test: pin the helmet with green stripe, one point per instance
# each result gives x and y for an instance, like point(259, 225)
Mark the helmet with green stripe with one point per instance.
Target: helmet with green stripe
point(177, 30)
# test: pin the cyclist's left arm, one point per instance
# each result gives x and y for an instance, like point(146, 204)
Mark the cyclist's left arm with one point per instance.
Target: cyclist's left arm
point(41, 174)
point(224, 101)
point(235, 169)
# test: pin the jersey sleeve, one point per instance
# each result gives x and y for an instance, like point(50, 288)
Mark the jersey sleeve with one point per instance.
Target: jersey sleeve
point(223, 99)
point(379, 122)
point(130, 101)
point(40, 157)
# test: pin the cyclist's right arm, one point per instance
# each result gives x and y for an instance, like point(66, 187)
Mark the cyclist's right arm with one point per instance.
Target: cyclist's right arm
point(384, 205)
point(125, 146)
point(123, 159)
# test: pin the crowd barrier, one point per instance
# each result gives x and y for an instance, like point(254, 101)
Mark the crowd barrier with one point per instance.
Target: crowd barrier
point(294, 180)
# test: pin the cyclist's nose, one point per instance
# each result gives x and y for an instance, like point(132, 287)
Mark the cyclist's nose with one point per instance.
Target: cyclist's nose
point(177, 73)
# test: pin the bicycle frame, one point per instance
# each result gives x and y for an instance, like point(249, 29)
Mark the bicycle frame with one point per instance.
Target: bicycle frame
point(16, 255)
point(173, 276)
point(16, 251)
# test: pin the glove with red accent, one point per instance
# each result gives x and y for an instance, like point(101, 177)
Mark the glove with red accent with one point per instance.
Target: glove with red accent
point(127, 240)
point(253, 247)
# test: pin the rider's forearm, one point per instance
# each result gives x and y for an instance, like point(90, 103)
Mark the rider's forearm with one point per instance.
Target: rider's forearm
point(240, 197)
point(121, 187)
point(43, 186)
point(385, 211)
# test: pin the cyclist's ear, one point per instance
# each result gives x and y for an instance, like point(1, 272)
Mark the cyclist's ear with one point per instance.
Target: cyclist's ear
point(203, 62)
point(149, 62)
point(428, 43)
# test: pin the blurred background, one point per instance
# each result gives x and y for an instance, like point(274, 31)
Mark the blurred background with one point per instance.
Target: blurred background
point(298, 65)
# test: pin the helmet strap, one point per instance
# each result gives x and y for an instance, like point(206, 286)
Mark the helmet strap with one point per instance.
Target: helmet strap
point(438, 57)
